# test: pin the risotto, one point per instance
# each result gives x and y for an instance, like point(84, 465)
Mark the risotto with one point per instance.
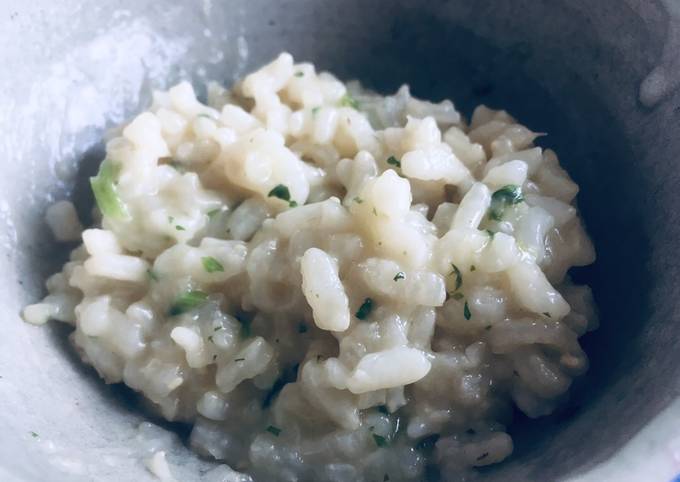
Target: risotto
point(326, 283)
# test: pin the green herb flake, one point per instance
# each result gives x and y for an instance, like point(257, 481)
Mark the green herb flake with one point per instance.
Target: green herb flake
point(365, 309)
point(398, 276)
point(506, 196)
point(153, 276)
point(218, 328)
point(302, 328)
point(383, 409)
point(180, 228)
point(211, 265)
point(457, 296)
point(274, 430)
point(545, 313)
point(34, 434)
point(239, 360)
point(299, 74)
point(315, 110)
point(349, 101)
point(459, 276)
point(393, 161)
point(281, 192)
point(357, 200)
point(466, 311)
point(187, 302)
point(379, 440)
point(473, 268)
point(490, 233)
point(211, 339)
point(214, 212)
point(106, 193)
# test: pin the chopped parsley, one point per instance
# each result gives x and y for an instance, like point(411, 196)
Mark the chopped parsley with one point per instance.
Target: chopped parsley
point(211, 339)
point(380, 441)
point(365, 309)
point(180, 228)
point(349, 101)
point(211, 265)
point(315, 110)
point(282, 192)
point(34, 434)
point(187, 302)
point(239, 359)
point(357, 199)
point(106, 193)
point(547, 314)
point(274, 430)
point(398, 276)
point(214, 212)
point(473, 268)
point(299, 74)
point(153, 276)
point(302, 328)
point(218, 328)
point(459, 276)
point(506, 196)
point(383, 409)
point(428, 442)
point(466, 311)
point(393, 161)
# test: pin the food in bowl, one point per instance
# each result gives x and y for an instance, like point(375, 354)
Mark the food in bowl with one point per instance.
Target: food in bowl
point(329, 284)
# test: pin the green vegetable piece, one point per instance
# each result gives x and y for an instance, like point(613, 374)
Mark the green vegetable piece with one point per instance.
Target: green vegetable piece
point(274, 430)
point(106, 193)
point(180, 228)
point(212, 213)
point(393, 161)
point(349, 101)
point(365, 309)
point(153, 276)
point(466, 311)
point(211, 265)
point(506, 196)
point(399, 275)
point(380, 441)
point(187, 302)
point(282, 192)
point(459, 276)
point(299, 74)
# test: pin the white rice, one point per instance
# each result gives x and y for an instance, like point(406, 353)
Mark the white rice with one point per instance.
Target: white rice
point(329, 287)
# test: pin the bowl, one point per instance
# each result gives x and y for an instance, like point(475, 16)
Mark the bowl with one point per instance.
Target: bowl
point(598, 77)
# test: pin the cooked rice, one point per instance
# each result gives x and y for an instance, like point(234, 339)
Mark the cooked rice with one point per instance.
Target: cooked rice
point(327, 283)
